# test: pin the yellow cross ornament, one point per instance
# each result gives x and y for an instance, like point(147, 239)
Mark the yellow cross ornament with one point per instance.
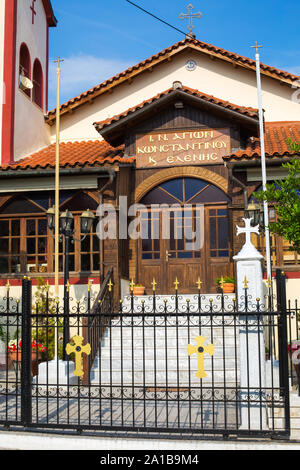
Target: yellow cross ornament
point(78, 349)
point(200, 350)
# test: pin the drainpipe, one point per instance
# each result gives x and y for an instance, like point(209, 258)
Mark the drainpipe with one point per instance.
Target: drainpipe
point(242, 185)
point(112, 175)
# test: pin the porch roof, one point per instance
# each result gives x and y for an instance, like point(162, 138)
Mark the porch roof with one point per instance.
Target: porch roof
point(83, 154)
point(276, 145)
point(114, 129)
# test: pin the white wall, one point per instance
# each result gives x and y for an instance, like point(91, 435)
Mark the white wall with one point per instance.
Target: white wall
point(31, 133)
point(212, 77)
point(2, 12)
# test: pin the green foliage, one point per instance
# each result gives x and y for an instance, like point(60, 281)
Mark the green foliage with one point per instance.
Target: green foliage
point(6, 336)
point(226, 279)
point(43, 328)
point(284, 194)
point(294, 146)
point(2, 333)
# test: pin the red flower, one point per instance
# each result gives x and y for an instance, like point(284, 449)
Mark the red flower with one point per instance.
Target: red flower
point(294, 346)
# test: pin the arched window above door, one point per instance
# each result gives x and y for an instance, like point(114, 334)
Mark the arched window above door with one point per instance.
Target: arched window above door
point(185, 191)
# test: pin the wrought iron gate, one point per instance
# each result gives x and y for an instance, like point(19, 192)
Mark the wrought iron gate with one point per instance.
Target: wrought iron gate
point(177, 365)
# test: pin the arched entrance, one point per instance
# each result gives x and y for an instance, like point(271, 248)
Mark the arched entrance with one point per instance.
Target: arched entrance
point(185, 235)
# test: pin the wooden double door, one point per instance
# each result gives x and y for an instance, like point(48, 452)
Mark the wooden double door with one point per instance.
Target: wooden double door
point(184, 236)
point(184, 245)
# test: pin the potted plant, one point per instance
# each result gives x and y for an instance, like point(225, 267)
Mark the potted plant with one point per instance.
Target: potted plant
point(15, 352)
point(139, 289)
point(228, 284)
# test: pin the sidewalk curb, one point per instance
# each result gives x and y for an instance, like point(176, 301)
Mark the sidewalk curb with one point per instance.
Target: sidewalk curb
point(31, 441)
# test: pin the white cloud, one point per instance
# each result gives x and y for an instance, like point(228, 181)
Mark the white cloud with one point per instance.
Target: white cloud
point(81, 72)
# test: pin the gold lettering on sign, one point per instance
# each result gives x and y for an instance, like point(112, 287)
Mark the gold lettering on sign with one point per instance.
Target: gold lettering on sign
point(206, 146)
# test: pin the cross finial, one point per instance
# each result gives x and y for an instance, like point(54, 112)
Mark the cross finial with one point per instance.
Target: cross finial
point(176, 284)
point(199, 283)
point(256, 47)
point(190, 16)
point(58, 61)
point(269, 282)
point(132, 284)
point(248, 229)
point(154, 284)
point(110, 285)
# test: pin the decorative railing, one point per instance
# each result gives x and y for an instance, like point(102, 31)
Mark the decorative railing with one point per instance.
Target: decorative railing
point(94, 327)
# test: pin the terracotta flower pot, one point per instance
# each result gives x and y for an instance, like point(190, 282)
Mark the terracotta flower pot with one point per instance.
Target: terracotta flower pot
point(139, 290)
point(17, 358)
point(228, 288)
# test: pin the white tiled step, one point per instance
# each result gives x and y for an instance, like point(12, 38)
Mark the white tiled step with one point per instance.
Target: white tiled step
point(160, 353)
point(295, 434)
point(214, 334)
point(161, 365)
point(173, 378)
point(182, 302)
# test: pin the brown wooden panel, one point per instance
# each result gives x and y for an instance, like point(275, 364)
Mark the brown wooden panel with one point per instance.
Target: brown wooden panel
point(187, 274)
point(189, 117)
point(150, 271)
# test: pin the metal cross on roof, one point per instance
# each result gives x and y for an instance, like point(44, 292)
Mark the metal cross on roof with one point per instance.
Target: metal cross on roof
point(256, 46)
point(190, 16)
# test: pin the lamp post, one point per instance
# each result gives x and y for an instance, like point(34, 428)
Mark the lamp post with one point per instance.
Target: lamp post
point(255, 212)
point(66, 229)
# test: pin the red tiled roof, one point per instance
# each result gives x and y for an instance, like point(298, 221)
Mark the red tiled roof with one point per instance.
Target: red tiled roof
point(72, 154)
point(165, 54)
point(276, 135)
point(99, 153)
point(251, 112)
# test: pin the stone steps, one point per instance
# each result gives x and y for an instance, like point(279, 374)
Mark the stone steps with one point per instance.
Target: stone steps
point(133, 351)
point(146, 302)
point(278, 416)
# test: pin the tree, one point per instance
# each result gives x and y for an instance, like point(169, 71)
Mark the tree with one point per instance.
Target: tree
point(284, 194)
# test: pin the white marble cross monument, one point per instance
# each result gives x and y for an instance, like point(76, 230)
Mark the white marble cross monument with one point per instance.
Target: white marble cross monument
point(251, 334)
point(248, 264)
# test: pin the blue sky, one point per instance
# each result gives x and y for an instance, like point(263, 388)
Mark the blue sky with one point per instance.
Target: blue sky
point(99, 39)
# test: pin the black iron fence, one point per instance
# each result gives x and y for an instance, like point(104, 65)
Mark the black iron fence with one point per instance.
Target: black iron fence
point(175, 365)
point(293, 309)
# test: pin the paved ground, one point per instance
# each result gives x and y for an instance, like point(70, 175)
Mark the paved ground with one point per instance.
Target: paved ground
point(125, 409)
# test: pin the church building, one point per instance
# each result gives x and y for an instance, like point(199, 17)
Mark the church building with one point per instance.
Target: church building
point(179, 128)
